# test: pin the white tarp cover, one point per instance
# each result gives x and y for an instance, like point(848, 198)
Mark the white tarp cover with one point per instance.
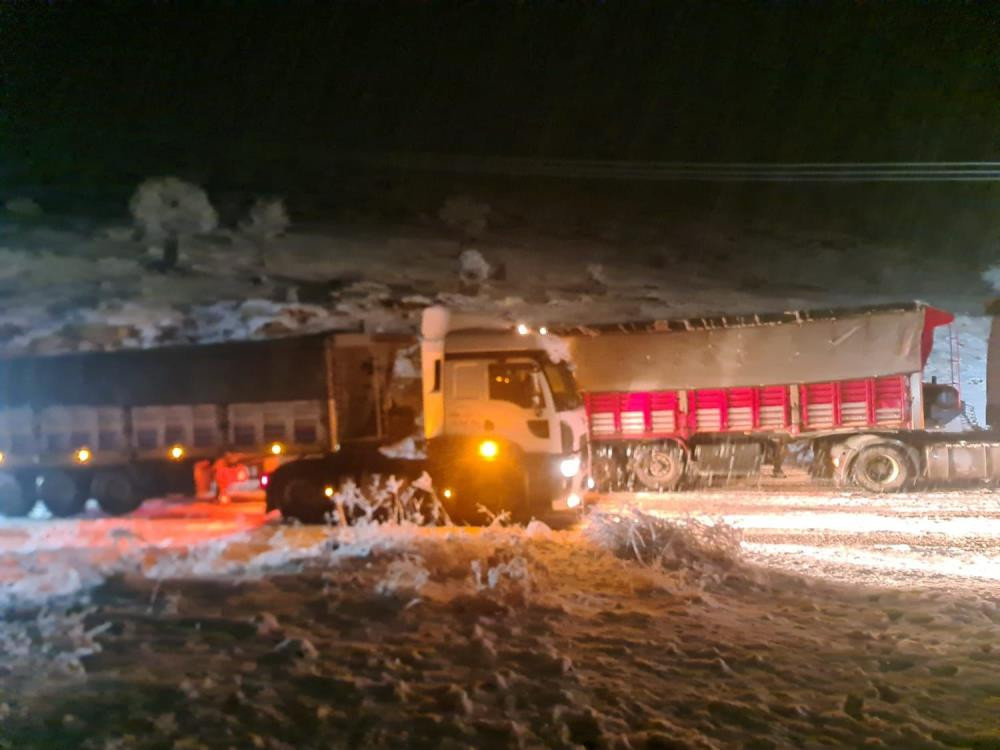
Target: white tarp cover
point(860, 345)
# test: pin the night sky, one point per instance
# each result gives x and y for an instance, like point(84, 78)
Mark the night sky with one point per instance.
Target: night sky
point(267, 95)
point(679, 80)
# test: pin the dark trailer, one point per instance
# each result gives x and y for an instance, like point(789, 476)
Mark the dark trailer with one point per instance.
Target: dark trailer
point(121, 426)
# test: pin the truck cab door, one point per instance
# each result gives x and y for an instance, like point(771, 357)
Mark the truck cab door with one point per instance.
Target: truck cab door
point(507, 398)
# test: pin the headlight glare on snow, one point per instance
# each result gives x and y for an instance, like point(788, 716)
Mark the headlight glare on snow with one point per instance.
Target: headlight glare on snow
point(569, 467)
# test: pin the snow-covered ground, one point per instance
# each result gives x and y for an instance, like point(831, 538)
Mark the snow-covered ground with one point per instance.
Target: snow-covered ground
point(198, 625)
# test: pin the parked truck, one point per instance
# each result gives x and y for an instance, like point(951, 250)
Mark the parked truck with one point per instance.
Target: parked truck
point(503, 422)
point(503, 425)
point(673, 401)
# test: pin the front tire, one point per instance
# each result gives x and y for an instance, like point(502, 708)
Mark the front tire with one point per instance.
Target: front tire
point(881, 468)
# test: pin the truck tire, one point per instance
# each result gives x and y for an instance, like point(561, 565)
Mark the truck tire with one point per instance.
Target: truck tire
point(61, 493)
point(881, 468)
point(658, 467)
point(16, 499)
point(605, 472)
point(115, 492)
point(303, 500)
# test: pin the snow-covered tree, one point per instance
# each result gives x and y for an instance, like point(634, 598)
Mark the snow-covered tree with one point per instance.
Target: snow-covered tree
point(268, 218)
point(168, 210)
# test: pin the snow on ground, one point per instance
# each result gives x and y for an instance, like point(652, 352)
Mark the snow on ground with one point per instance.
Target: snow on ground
point(214, 626)
point(926, 539)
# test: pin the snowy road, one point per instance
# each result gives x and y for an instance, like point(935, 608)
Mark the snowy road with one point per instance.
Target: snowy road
point(947, 539)
point(207, 626)
point(931, 539)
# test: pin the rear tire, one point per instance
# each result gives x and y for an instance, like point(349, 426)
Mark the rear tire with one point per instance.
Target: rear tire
point(658, 467)
point(115, 492)
point(62, 494)
point(304, 500)
point(881, 468)
point(16, 499)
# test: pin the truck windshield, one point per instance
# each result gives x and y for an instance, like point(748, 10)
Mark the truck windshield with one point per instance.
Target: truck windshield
point(563, 386)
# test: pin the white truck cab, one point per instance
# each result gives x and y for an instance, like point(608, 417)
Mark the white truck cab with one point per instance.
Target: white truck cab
point(494, 391)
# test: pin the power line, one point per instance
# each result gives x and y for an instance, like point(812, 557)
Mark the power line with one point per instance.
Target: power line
point(935, 171)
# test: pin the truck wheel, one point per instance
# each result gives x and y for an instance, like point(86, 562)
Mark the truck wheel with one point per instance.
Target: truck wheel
point(115, 492)
point(658, 467)
point(303, 500)
point(16, 500)
point(603, 470)
point(502, 493)
point(61, 494)
point(881, 468)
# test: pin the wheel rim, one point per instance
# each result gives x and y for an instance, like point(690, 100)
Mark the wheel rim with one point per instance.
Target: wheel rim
point(661, 465)
point(882, 469)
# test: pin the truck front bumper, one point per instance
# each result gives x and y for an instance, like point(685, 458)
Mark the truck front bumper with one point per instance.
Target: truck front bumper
point(555, 481)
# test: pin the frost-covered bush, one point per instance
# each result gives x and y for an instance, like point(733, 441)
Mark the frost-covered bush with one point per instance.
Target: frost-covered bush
point(388, 500)
point(597, 274)
point(23, 207)
point(268, 218)
point(168, 209)
point(706, 551)
point(405, 576)
point(473, 268)
point(992, 277)
point(465, 214)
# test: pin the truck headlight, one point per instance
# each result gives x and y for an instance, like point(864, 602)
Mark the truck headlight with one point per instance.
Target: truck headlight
point(570, 467)
point(489, 449)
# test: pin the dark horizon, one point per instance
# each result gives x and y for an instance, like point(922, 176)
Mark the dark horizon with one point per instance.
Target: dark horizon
point(688, 81)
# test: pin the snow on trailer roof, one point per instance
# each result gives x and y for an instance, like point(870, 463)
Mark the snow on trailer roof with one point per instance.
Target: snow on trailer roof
point(737, 351)
point(710, 322)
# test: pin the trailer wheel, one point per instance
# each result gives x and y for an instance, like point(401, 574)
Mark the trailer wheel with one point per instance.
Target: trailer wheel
point(881, 468)
point(658, 467)
point(115, 492)
point(62, 495)
point(16, 499)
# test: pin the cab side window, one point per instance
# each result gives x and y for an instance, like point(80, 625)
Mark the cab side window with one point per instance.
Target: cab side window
point(514, 382)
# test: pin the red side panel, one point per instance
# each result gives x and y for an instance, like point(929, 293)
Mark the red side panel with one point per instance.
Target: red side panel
point(834, 405)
